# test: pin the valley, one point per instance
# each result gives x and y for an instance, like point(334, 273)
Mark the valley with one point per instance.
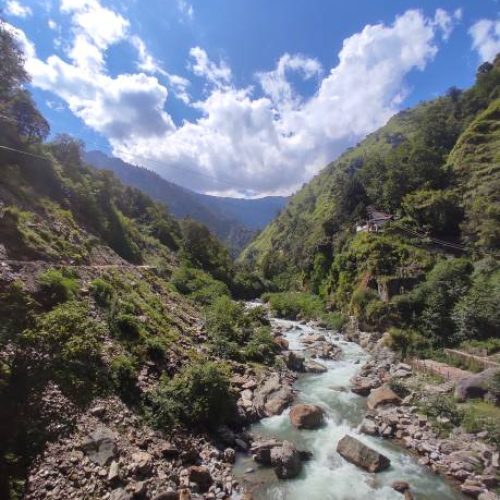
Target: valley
point(161, 344)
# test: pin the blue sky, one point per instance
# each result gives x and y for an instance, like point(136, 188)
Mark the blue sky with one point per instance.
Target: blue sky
point(243, 98)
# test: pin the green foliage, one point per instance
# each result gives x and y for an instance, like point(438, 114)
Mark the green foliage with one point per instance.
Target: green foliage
point(238, 333)
point(198, 285)
point(56, 287)
point(407, 342)
point(70, 339)
point(481, 416)
point(156, 347)
point(127, 326)
point(16, 311)
point(476, 314)
point(199, 395)
point(445, 285)
point(440, 405)
point(102, 291)
point(481, 347)
point(204, 251)
point(261, 347)
point(294, 305)
point(123, 374)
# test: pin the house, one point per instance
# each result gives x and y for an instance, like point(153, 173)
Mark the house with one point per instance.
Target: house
point(376, 220)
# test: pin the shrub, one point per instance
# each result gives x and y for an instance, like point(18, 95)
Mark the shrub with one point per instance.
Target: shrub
point(334, 320)
point(156, 348)
point(199, 395)
point(127, 326)
point(481, 416)
point(57, 288)
point(291, 305)
point(123, 376)
point(407, 342)
point(261, 346)
point(199, 285)
point(69, 339)
point(102, 292)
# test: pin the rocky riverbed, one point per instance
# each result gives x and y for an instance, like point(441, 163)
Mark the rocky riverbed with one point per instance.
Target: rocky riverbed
point(336, 453)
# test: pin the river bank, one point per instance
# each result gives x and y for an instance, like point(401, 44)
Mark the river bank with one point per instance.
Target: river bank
point(326, 474)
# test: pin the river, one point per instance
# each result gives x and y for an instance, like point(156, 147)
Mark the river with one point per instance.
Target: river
point(327, 476)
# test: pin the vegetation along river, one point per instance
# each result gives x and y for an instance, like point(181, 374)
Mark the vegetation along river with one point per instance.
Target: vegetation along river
point(327, 476)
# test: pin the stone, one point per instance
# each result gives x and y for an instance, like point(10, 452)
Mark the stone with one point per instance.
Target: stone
point(142, 462)
point(368, 426)
point(120, 494)
point(359, 454)
point(382, 396)
point(185, 494)
point(281, 342)
point(286, 461)
point(101, 446)
point(363, 385)
point(229, 455)
point(311, 366)
point(201, 476)
point(307, 416)
point(400, 486)
point(114, 471)
point(261, 450)
point(294, 361)
point(166, 495)
point(477, 386)
point(169, 451)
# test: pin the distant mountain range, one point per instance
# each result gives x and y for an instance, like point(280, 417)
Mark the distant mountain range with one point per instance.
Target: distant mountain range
point(234, 220)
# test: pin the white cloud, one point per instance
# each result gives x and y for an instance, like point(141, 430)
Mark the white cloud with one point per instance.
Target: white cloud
point(52, 24)
point(446, 22)
point(266, 139)
point(16, 9)
point(218, 75)
point(486, 38)
point(185, 8)
point(278, 88)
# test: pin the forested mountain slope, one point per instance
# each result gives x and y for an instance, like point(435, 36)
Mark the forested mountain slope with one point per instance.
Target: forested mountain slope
point(104, 337)
point(233, 220)
point(431, 275)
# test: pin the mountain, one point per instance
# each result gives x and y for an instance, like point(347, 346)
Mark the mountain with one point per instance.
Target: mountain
point(402, 232)
point(234, 220)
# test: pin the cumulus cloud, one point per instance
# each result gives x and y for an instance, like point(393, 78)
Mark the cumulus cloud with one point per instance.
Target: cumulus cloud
point(259, 139)
point(16, 9)
point(218, 75)
point(486, 38)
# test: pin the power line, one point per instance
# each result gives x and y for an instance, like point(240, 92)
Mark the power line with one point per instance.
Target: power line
point(25, 153)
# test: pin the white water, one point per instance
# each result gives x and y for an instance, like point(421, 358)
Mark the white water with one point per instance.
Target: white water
point(328, 476)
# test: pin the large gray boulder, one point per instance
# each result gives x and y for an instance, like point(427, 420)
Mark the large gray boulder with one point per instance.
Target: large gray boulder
point(359, 454)
point(484, 385)
point(286, 461)
point(272, 397)
point(100, 446)
point(311, 366)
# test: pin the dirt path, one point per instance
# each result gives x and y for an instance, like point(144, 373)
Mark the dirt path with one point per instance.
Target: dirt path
point(22, 263)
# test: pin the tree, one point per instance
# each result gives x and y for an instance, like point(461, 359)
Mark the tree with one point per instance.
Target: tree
point(12, 72)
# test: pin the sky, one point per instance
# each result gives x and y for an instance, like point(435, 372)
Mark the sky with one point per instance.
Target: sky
point(242, 98)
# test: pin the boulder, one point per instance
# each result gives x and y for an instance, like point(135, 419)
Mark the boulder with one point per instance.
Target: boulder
point(281, 342)
point(359, 454)
point(400, 486)
point(368, 426)
point(307, 416)
point(286, 460)
point(272, 397)
point(382, 396)
point(311, 366)
point(479, 385)
point(101, 446)
point(200, 475)
point(363, 385)
point(294, 361)
point(120, 494)
point(142, 462)
point(261, 450)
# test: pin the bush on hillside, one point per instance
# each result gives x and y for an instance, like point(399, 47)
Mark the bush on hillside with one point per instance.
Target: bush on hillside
point(102, 292)
point(56, 287)
point(199, 395)
point(69, 338)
